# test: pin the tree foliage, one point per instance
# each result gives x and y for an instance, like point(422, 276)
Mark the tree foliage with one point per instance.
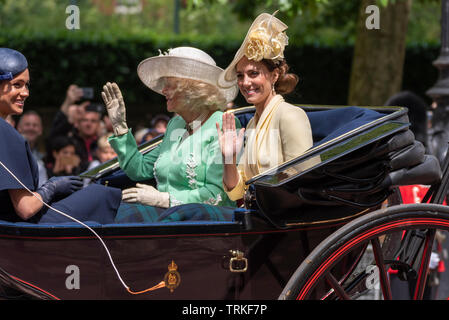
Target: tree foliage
point(329, 22)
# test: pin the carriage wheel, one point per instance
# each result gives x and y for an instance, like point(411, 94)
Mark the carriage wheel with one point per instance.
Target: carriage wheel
point(319, 276)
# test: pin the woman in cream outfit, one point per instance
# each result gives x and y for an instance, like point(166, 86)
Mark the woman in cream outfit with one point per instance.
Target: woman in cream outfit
point(278, 131)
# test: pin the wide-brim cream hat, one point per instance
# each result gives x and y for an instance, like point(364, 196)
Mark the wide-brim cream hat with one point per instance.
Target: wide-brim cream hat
point(183, 62)
point(265, 39)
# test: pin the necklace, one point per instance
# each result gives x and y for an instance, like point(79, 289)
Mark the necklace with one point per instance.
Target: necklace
point(195, 124)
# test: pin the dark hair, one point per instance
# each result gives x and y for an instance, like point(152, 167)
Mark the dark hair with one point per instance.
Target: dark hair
point(56, 144)
point(159, 117)
point(286, 82)
point(60, 142)
point(417, 112)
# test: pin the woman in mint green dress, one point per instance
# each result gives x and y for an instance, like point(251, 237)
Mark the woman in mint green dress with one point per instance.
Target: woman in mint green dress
point(187, 164)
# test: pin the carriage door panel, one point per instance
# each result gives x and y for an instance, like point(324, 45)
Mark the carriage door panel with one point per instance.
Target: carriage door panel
point(192, 266)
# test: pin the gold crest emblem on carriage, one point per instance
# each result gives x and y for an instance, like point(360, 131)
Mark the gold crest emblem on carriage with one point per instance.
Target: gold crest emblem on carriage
point(172, 278)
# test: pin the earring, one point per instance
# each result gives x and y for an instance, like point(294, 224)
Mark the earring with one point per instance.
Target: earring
point(272, 89)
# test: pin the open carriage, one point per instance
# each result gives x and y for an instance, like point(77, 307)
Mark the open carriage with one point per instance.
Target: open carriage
point(302, 233)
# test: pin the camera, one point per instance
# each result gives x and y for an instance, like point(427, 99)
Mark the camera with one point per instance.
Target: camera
point(88, 93)
point(97, 107)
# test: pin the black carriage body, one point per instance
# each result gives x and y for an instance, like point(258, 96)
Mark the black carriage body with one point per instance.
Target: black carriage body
point(43, 259)
point(277, 230)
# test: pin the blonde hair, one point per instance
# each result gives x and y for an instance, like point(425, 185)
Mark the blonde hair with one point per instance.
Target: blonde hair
point(103, 142)
point(199, 96)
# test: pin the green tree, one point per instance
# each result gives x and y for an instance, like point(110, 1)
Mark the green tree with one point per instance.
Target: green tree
point(378, 61)
point(378, 57)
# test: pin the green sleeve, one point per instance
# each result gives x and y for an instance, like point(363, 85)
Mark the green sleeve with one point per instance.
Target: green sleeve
point(137, 167)
point(238, 125)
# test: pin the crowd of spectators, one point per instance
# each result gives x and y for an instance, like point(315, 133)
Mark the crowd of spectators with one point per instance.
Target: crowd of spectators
point(77, 139)
point(157, 127)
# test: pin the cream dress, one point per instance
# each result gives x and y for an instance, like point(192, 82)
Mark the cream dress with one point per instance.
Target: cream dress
point(281, 133)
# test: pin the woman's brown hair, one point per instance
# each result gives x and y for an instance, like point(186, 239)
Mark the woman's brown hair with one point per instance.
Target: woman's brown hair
point(286, 82)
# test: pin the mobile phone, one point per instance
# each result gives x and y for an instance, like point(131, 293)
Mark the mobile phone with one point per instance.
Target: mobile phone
point(88, 93)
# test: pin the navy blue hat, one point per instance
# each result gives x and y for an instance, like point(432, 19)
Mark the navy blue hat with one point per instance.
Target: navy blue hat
point(12, 62)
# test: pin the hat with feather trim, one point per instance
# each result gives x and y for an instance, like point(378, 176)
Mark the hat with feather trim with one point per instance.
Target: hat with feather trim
point(265, 39)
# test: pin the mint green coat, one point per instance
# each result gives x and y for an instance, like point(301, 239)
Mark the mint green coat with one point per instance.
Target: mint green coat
point(189, 169)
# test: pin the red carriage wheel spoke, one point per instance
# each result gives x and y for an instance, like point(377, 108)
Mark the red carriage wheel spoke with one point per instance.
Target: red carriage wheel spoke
point(330, 279)
point(311, 278)
point(384, 282)
point(424, 266)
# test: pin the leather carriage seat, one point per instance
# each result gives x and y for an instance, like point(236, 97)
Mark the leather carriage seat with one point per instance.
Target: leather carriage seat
point(329, 124)
point(361, 178)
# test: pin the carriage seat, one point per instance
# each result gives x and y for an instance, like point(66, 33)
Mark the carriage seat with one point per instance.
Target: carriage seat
point(329, 124)
point(361, 178)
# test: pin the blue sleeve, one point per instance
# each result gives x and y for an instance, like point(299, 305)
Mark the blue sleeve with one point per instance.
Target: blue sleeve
point(16, 155)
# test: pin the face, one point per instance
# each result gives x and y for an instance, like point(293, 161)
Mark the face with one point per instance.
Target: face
point(13, 94)
point(255, 81)
point(160, 126)
point(30, 126)
point(89, 124)
point(172, 96)
point(105, 154)
point(66, 152)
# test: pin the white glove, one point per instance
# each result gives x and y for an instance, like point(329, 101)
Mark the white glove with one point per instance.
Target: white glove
point(115, 105)
point(146, 194)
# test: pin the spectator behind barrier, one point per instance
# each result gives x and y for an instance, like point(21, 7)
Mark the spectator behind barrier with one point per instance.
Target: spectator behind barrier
point(80, 121)
point(30, 127)
point(63, 159)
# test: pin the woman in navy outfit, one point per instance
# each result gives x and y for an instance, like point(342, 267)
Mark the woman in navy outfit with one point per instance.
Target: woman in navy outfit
point(95, 203)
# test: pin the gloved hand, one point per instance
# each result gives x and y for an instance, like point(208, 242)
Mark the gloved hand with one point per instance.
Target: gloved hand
point(115, 105)
point(146, 194)
point(59, 186)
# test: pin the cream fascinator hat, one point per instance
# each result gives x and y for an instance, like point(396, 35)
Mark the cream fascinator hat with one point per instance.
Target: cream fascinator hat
point(265, 39)
point(183, 62)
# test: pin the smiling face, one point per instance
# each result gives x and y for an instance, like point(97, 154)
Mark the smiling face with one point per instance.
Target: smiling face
point(255, 81)
point(13, 94)
point(171, 94)
point(30, 126)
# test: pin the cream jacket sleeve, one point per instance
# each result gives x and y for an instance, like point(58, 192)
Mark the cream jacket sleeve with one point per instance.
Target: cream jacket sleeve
point(295, 131)
point(239, 190)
